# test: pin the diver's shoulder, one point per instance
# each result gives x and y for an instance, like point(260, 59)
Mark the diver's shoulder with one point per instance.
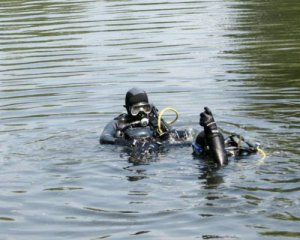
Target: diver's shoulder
point(121, 117)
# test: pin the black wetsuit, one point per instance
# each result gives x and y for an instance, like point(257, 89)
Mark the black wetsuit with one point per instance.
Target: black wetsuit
point(219, 149)
point(140, 124)
point(208, 142)
point(115, 131)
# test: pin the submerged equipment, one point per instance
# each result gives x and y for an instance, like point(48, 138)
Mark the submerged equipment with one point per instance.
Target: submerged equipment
point(141, 140)
point(235, 145)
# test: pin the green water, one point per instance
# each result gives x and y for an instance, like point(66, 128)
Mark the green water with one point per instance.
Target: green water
point(65, 68)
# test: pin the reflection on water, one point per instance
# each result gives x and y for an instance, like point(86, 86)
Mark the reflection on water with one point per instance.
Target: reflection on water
point(65, 67)
point(268, 44)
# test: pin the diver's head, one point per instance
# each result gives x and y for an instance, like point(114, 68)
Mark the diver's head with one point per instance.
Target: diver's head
point(137, 104)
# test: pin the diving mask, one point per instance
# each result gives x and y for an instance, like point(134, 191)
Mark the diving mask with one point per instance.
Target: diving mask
point(140, 107)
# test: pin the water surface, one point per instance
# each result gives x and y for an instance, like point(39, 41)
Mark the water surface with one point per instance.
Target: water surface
point(65, 68)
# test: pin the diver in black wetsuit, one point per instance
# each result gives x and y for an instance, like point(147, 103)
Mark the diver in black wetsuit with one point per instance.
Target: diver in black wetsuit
point(211, 142)
point(140, 125)
point(141, 121)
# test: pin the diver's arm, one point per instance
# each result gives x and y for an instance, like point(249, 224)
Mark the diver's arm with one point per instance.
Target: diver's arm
point(216, 145)
point(214, 138)
point(108, 134)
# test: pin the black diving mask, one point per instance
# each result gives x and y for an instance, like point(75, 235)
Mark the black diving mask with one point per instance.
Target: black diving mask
point(140, 107)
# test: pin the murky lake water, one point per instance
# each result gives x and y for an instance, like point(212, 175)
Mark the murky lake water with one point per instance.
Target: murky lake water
point(65, 68)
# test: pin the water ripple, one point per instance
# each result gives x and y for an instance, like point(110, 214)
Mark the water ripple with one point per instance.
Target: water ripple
point(65, 68)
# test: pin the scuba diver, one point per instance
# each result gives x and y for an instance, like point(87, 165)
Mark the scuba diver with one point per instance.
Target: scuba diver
point(143, 127)
point(141, 121)
point(212, 143)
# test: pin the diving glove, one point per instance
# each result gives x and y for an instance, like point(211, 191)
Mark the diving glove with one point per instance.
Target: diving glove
point(208, 122)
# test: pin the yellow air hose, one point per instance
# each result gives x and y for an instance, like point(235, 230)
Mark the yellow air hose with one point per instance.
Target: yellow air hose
point(262, 153)
point(159, 123)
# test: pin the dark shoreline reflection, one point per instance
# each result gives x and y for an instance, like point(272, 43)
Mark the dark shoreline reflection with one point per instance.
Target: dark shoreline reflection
point(265, 39)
